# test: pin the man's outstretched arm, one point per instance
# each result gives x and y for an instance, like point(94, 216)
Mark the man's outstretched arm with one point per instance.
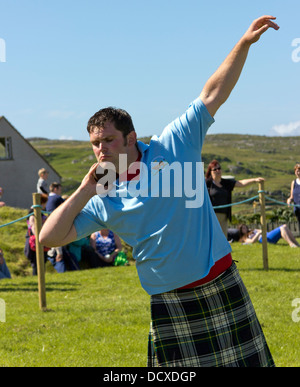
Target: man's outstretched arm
point(219, 86)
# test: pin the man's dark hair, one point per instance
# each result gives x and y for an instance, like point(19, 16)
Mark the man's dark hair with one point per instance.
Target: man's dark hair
point(120, 118)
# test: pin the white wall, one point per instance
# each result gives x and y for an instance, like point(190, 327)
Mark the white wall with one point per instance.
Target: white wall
point(19, 176)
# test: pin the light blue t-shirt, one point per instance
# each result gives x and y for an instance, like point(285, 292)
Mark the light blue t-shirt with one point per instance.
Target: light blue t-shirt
point(166, 215)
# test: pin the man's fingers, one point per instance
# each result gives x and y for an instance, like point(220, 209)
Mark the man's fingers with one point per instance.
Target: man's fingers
point(262, 19)
point(262, 29)
point(93, 168)
point(263, 24)
point(92, 171)
point(266, 20)
point(265, 27)
point(273, 25)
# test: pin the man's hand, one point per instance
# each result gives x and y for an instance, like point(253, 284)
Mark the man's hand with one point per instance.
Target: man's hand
point(258, 27)
point(98, 180)
point(89, 181)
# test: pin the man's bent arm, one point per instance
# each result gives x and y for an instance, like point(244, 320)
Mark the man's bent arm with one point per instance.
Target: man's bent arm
point(219, 86)
point(59, 228)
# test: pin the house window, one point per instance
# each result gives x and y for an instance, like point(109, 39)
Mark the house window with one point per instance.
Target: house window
point(5, 148)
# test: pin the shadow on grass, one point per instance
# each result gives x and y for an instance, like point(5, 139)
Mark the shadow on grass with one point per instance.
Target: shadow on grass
point(271, 269)
point(33, 287)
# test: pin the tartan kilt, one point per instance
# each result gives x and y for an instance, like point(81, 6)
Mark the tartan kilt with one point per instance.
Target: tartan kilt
point(212, 325)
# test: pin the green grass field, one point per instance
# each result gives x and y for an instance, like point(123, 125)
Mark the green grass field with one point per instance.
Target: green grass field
point(101, 317)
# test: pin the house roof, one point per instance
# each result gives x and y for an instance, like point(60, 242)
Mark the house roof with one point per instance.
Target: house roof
point(24, 139)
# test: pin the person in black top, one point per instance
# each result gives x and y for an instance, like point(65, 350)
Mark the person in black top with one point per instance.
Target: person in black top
point(295, 193)
point(220, 189)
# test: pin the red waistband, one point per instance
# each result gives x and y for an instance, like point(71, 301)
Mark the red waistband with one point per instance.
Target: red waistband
point(219, 267)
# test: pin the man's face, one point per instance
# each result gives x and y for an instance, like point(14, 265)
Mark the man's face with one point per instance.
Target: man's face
point(108, 143)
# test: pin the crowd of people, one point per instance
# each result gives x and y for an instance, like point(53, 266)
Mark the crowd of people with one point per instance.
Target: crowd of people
point(220, 190)
point(89, 252)
point(104, 248)
point(99, 250)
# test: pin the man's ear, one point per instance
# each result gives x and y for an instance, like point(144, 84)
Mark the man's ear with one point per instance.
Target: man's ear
point(131, 138)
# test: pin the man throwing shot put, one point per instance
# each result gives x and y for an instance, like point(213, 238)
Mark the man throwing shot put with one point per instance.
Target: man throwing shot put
point(201, 313)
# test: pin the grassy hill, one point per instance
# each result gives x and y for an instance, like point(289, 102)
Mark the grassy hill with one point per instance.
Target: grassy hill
point(248, 156)
point(243, 156)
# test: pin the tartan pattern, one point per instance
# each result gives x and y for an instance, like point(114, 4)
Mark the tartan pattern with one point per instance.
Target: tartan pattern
point(213, 325)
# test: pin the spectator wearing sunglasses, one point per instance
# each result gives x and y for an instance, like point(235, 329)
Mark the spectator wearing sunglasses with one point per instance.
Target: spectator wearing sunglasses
point(295, 193)
point(220, 189)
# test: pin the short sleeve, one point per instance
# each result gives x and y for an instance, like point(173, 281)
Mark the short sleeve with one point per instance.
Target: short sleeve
point(228, 184)
point(192, 126)
point(88, 220)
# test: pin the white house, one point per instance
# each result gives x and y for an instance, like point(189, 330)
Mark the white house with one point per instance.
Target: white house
point(19, 165)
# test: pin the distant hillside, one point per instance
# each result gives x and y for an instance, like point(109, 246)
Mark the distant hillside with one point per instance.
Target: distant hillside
point(248, 156)
point(32, 139)
point(241, 156)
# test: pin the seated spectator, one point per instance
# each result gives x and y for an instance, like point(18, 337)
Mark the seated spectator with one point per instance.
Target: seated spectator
point(80, 249)
point(62, 259)
point(54, 198)
point(249, 237)
point(4, 271)
point(42, 186)
point(106, 247)
point(234, 234)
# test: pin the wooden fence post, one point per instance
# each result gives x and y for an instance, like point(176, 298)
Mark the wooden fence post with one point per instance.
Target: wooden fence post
point(39, 251)
point(263, 224)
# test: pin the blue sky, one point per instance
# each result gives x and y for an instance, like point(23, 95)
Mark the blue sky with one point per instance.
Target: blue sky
point(67, 59)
